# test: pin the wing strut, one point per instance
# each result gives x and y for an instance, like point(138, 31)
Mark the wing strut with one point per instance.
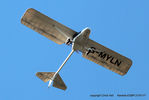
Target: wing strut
point(56, 73)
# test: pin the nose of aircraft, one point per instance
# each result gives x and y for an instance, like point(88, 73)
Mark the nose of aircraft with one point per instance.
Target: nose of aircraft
point(87, 30)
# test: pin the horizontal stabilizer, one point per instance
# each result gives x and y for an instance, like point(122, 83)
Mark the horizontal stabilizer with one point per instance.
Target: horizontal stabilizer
point(46, 76)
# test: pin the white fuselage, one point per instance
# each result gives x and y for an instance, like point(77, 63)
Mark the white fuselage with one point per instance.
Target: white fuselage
point(80, 41)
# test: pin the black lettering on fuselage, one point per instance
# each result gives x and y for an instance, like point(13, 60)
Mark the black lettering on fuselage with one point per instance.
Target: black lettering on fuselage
point(102, 55)
point(108, 57)
point(112, 60)
point(91, 50)
point(117, 62)
point(105, 56)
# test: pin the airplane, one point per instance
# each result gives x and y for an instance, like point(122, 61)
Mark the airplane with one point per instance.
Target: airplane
point(79, 41)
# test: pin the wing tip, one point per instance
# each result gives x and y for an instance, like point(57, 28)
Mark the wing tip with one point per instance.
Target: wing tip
point(29, 10)
point(130, 62)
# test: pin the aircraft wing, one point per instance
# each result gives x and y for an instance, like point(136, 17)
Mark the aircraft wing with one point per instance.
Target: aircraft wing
point(46, 26)
point(106, 57)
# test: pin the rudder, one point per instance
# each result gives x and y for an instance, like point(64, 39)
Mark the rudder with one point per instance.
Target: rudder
point(46, 76)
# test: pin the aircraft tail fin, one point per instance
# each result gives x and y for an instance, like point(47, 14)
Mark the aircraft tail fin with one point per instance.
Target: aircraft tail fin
point(47, 76)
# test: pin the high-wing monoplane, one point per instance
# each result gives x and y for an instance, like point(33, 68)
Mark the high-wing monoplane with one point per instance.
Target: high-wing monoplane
point(80, 41)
